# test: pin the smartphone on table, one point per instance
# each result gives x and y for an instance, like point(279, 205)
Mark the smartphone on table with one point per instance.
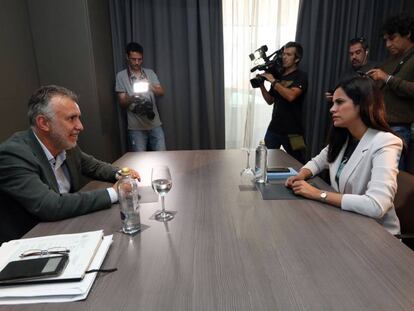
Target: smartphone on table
point(278, 170)
point(26, 270)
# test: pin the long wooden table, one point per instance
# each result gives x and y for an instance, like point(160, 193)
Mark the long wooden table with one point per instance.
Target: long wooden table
point(228, 249)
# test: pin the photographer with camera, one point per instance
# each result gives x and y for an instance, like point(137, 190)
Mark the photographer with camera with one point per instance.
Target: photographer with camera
point(136, 88)
point(396, 78)
point(287, 92)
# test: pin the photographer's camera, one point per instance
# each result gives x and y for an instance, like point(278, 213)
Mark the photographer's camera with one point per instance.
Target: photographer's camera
point(257, 81)
point(143, 105)
point(272, 64)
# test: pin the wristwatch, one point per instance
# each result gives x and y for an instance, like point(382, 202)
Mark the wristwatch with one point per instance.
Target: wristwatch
point(323, 196)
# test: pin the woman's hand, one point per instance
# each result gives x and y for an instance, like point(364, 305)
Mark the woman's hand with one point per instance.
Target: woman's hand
point(303, 174)
point(289, 182)
point(302, 188)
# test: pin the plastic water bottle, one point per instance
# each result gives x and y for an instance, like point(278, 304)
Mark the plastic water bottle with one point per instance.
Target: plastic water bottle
point(129, 202)
point(261, 163)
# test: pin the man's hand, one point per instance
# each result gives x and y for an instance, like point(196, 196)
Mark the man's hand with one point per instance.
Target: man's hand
point(268, 76)
point(125, 100)
point(157, 89)
point(115, 186)
point(378, 75)
point(134, 174)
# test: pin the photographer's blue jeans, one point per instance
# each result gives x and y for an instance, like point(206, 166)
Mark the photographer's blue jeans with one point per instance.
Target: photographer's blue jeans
point(143, 140)
point(404, 132)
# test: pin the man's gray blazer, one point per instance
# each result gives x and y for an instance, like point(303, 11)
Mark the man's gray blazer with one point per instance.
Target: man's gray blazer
point(29, 191)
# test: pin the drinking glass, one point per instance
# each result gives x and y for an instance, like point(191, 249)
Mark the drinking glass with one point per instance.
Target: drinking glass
point(247, 173)
point(161, 183)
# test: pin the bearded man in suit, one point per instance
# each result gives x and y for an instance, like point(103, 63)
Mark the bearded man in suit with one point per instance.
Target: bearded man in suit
point(41, 168)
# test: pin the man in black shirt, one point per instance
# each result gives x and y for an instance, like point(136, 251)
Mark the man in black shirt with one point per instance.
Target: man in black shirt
point(287, 93)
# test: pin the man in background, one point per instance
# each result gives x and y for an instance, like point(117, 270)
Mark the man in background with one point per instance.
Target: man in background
point(287, 93)
point(358, 52)
point(136, 88)
point(41, 168)
point(396, 76)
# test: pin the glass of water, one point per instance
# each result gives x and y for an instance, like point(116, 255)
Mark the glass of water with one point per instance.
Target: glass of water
point(247, 173)
point(161, 183)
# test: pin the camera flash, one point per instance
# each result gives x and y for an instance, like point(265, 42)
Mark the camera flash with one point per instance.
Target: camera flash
point(140, 87)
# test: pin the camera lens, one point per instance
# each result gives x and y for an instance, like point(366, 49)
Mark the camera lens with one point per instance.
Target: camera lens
point(144, 108)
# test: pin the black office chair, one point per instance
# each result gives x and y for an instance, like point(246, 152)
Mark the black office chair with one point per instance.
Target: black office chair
point(14, 222)
point(404, 206)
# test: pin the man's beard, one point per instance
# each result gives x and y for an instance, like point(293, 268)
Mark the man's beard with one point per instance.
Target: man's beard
point(356, 63)
point(60, 142)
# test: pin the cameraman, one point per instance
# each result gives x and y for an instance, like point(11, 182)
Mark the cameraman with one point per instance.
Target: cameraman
point(144, 124)
point(287, 93)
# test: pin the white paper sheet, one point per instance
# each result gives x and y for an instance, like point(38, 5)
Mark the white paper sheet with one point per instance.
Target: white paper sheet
point(56, 292)
point(82, 246)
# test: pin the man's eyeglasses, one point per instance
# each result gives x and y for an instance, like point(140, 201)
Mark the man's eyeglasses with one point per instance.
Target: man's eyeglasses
point(45, 252)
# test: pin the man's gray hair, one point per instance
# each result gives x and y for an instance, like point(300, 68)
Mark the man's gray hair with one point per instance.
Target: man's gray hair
point(39, 102)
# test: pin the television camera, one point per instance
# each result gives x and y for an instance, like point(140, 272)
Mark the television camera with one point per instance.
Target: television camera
point(272, 64)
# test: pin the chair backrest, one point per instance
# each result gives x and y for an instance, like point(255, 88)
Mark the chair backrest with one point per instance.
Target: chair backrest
point(14, 221)
point(404, 202)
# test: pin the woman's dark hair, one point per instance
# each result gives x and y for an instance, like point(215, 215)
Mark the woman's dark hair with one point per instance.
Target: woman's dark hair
point(365, 94)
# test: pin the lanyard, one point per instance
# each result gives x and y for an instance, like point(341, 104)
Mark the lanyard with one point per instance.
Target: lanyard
point(132, 77)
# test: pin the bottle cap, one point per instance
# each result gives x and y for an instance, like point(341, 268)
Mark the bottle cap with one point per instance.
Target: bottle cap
point(125, 171)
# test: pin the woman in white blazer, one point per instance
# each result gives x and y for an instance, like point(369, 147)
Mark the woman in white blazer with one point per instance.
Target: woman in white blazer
point(362, 156)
